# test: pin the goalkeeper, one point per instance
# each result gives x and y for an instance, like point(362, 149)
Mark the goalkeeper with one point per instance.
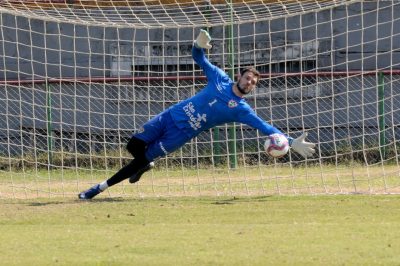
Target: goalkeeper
point(221, 101)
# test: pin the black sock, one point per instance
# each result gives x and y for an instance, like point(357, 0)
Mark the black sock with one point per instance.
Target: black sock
point(127, 171)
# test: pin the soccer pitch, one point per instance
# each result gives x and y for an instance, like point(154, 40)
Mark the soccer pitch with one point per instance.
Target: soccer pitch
point(270, 230)
point(249, 182)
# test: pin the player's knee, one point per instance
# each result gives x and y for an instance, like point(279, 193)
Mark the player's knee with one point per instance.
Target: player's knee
point(136, 147)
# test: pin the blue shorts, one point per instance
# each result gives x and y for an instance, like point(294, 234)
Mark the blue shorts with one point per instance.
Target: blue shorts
point(162, 136)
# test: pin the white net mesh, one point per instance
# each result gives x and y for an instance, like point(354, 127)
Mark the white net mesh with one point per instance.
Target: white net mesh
point(156, 14)
point(77, 78)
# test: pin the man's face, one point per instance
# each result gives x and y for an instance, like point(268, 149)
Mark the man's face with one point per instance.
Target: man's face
point(248, 82)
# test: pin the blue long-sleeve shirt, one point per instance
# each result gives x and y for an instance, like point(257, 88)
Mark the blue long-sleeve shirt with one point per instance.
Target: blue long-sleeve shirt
point(216, 104)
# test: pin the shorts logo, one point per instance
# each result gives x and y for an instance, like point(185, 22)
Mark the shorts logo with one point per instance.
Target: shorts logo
point(163, 148)
point(232, 104)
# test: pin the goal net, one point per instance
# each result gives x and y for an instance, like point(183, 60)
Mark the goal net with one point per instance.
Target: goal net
point(78, 78)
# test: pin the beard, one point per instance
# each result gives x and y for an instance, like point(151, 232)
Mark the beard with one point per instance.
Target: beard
point(242, 91)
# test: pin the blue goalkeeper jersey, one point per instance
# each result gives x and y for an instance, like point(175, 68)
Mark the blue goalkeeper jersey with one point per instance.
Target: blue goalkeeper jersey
point(214, 105)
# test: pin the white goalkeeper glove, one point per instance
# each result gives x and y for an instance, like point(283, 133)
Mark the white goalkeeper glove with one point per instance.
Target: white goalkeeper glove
point(299, 145)
point(203, 40)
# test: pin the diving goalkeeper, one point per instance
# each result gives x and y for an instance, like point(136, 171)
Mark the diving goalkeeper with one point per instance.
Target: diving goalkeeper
point(221, 101)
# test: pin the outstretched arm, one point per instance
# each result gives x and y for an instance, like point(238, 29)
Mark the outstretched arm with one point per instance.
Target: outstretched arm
point(200, 58)
point(203, 42)
point(250, 118)
point(299, 145)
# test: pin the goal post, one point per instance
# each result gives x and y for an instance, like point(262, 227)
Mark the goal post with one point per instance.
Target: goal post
point(78, 78)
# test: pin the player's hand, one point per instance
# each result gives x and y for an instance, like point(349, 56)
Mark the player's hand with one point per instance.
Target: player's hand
point(305, 149)
point(203, 40)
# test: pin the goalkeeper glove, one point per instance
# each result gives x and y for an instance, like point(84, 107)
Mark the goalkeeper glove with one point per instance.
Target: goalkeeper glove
point(203, 40)
point(299, 145)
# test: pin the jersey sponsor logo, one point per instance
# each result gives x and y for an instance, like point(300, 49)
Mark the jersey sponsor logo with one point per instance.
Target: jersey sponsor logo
point(232, 104)
point(194, 119)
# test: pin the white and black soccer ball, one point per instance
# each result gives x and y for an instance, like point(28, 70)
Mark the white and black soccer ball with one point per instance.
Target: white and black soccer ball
point(276, 145)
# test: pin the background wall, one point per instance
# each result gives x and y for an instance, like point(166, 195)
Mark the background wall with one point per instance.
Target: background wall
point(341, 39)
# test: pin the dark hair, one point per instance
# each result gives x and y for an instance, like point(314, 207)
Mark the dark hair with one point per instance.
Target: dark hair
point(252, 70)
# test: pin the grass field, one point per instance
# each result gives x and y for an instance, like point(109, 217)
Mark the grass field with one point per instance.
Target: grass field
point(276, 230)
point(249, 181)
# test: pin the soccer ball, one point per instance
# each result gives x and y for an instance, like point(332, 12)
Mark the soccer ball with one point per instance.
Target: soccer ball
point(276, 145)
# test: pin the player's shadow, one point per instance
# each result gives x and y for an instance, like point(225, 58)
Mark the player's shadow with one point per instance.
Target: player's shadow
point(74, 201)
point(98, 200)
point(241, 200)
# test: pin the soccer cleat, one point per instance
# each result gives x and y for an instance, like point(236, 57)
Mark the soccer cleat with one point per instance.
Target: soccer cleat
point(90, 193)
point(136, 177)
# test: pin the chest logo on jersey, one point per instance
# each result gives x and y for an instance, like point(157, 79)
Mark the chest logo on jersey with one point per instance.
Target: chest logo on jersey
point(195, 119)
point(232, 104)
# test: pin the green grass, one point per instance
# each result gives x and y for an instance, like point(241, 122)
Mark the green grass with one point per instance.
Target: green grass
point(244, 181)
point(276, 230)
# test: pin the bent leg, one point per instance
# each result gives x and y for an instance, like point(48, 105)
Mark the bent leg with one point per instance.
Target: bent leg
point(135, 166)
point(159, 137)
point(136, 147)
point(127, 171)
